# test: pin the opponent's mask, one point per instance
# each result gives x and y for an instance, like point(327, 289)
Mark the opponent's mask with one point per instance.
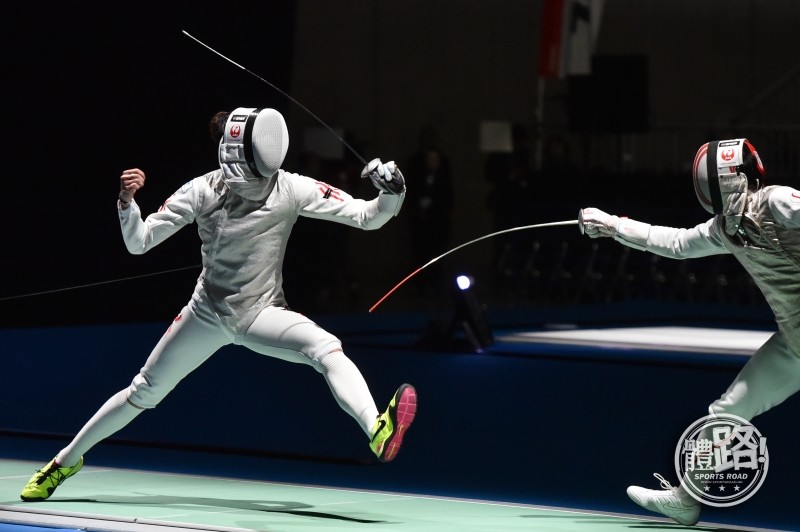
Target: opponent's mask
point(252, 150)
point(723, 171)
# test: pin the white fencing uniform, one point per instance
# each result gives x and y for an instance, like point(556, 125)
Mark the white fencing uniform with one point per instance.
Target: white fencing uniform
point(239, 295)
point(767, 244)
point(765, 239)
point(760, 227)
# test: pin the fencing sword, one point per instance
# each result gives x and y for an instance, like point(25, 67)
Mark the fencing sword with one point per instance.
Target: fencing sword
point(306, 109)
point(412, 274)
point(578, 222)
point(98, 283)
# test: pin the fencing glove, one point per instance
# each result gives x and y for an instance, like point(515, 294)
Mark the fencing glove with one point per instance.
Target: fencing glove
point(386, 177)
point(597, 224)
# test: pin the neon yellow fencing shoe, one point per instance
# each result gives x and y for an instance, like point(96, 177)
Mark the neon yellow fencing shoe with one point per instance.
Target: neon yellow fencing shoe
point(46, 480)
point(391, 426)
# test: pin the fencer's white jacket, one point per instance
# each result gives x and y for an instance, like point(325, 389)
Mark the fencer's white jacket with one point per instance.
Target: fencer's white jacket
point(243, 241)
point(767, 244)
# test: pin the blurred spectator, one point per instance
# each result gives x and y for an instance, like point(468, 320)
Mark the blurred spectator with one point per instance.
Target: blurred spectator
point(558, 169)
point(428, 207)
point(321, 289)
point(510, 201)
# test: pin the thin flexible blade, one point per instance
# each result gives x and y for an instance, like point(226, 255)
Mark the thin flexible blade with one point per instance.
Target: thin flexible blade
point(504, 231)
point(306, 109)
point(88, 285)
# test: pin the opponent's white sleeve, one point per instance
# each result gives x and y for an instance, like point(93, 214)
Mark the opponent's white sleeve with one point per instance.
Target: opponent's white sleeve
point(179, 210)
point(320, 200)
point(784, 202)
point(700, 241)
point(632, 233)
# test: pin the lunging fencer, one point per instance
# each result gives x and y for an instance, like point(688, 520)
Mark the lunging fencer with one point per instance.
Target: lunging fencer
point(760, 226)
point(244, 211)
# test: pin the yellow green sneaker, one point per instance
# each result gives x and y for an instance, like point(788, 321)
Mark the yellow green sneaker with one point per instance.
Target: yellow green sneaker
point(46, 480)
point(391, 426)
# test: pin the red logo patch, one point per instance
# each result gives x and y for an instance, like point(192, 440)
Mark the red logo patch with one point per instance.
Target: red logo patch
point(176, 320)
point(236, 131)
point(164, 205)
point(328, 191)
point(727, 155)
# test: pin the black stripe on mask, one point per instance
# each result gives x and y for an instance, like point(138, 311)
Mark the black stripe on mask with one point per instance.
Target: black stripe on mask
point(248, 143)
point(713, 177)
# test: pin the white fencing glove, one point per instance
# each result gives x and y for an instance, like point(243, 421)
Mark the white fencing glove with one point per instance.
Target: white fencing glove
point(597, 224)
point(386, 177)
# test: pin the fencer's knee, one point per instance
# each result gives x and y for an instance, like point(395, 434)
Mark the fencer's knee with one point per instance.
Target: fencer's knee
point(143, 394)
point(329, 358)
point(741, 409)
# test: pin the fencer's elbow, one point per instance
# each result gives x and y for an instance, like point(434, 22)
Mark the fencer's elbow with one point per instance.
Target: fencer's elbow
point(682, 256)
point(670, 253)
point(136, 250)
point(373, 224)
point(371, 227)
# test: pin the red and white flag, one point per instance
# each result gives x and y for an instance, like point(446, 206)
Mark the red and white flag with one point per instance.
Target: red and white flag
point(569, 33)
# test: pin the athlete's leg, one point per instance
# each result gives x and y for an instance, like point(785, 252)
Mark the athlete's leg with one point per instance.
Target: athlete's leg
point(290, 336)
point(771, 376)
point(191, 338)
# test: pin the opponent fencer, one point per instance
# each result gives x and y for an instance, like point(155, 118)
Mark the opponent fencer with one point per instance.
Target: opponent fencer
point(244, 210)
point(760, 226)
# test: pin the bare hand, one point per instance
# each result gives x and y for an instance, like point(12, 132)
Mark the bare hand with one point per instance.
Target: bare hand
point(129, 182)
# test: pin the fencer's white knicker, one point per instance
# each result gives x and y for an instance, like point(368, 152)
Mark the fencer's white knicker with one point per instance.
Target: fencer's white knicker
point(196, 334)
point(238, 298)
point(766, 242)
point(771, 376)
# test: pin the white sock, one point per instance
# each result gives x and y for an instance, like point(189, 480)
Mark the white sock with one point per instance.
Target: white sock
point(350, 389)
point(112, 416)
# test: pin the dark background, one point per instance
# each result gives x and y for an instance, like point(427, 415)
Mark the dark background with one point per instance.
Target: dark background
point(91, 92)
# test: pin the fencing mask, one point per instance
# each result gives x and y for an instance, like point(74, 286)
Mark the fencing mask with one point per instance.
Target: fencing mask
point(723, 171)
point(251, 151)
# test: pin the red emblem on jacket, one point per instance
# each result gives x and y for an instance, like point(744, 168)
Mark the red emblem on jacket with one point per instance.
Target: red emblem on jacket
point(176, 320)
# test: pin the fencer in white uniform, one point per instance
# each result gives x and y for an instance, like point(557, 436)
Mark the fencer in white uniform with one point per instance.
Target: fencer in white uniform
point(758, 225)
point(244, 211)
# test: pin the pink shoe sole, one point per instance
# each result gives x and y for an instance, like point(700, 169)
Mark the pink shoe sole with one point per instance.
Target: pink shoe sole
point(402, 416)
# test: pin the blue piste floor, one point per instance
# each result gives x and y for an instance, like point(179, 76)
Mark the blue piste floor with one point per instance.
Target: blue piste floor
point(562, 411)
